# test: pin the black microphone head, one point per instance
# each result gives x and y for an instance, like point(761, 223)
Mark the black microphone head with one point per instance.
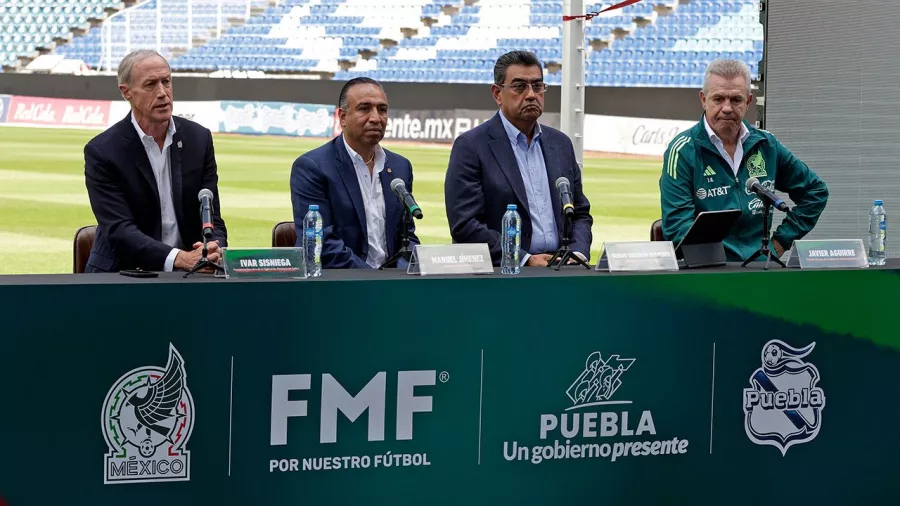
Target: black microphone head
point(397, 184)
point(206, 192)
point(562, 180)
point(750, 183)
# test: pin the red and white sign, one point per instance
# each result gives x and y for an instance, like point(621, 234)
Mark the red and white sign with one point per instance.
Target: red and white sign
point(58, 112)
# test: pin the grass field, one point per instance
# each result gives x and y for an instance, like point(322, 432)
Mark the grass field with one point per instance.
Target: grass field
point(43, 200)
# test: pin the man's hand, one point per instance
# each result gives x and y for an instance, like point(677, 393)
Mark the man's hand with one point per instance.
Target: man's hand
point(778, 249)
point(186, 260)
point(539, 260)
point(579, 255)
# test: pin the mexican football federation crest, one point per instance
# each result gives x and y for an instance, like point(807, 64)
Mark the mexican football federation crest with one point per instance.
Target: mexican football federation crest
point(783, 405)
point(756, 165)
point(147, 419)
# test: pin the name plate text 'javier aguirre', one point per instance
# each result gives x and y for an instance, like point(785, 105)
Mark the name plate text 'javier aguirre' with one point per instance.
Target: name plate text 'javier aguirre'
point(828, 253)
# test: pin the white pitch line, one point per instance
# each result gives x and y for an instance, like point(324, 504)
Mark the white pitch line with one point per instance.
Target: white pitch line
point(480, 404)
point(11, 242)
point(712, 399)
point(230, 410)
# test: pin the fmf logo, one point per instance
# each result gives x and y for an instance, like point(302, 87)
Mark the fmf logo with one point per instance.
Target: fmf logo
point(335, 398)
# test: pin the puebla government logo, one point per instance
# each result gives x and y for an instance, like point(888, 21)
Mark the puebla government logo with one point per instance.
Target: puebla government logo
point(783, 405)
point(599, 380)
point(147, 420)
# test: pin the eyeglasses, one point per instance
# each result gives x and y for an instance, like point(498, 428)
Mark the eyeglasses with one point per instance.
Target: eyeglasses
point(539, 87)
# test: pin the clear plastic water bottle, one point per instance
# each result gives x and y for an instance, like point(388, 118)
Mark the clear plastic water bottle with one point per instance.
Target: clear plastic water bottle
point(312, 241)
point(510, 240)
point(877, 233)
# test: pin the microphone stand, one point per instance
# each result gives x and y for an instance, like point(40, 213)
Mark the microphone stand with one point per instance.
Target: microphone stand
point(566, 253)
point(764, 249)
point(204, 261)
point(404, 252)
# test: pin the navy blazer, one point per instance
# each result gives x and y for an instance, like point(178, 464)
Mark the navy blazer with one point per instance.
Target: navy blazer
point(125, 197)
point(483, 177)
point(326, 176)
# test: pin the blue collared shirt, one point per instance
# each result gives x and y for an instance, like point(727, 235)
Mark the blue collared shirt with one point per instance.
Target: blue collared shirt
point(530, 159)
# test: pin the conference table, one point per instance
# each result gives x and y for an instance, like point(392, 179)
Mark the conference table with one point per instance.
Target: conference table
point(705, 387)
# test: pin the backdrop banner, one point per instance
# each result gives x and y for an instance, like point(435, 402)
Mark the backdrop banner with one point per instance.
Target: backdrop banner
point(722, 396)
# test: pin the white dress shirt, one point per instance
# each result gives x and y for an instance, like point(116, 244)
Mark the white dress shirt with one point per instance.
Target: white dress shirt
point(162, 171)
point(738, 150)
point(373, 200)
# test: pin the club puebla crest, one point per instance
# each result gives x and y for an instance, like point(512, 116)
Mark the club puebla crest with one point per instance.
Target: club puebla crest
point(783, 405)
point(147, 420)
point(756, 165)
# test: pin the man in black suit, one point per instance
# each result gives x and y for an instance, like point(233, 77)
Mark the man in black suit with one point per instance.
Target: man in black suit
point(513, 159)
point(143, 176)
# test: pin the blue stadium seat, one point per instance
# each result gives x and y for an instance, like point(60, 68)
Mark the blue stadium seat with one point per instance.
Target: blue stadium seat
point(645, 57)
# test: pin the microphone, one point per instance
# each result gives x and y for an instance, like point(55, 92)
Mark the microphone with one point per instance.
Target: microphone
point(206, 197)
point(399, 188)
point(765, 195)
point(565, 196)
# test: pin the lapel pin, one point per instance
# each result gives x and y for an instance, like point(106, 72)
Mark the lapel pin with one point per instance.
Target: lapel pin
point(389, 170)
point(179, 144)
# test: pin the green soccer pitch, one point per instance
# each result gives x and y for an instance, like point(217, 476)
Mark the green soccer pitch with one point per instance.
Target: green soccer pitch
point(43, 200)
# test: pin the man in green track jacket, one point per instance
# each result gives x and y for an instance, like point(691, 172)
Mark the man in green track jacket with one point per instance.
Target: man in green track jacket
point(706, 169)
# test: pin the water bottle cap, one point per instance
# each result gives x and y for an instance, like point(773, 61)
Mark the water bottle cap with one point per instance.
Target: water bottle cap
point(313, 207)
point(879, 202)
point(511, 207)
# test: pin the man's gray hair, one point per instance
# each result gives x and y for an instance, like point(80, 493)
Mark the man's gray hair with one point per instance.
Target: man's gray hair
point(728, 69)
point(127, 64)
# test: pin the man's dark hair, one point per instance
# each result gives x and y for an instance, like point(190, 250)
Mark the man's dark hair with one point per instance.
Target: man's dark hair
point(342, 100)
point(526, 58)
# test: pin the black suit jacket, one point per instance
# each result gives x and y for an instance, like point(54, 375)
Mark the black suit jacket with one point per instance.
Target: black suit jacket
point(483, 177)
point(125, 198)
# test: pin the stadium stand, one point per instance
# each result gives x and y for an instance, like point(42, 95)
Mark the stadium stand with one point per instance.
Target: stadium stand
point(26, 26)
point(659, 43)
point(184, 24)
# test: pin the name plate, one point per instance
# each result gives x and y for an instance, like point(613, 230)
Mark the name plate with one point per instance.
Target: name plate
point(264, 263)
point(828, 254)
point(451, 259)
point(638, 256)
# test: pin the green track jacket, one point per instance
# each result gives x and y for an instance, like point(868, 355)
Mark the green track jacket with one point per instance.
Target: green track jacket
point(696, 178)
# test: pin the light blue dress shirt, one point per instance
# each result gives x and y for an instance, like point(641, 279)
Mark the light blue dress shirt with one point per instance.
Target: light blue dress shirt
point(530, 159)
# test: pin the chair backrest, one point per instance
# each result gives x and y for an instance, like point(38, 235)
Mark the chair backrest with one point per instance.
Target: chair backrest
point(284, 235)
point(656, 232)
point(84, 241)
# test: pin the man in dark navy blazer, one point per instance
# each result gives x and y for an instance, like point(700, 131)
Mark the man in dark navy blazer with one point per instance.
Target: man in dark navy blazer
point(143, 175)
point(513, 159)
point(349, 178)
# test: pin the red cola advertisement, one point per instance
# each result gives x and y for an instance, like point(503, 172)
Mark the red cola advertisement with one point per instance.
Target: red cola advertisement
point(58, 112)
